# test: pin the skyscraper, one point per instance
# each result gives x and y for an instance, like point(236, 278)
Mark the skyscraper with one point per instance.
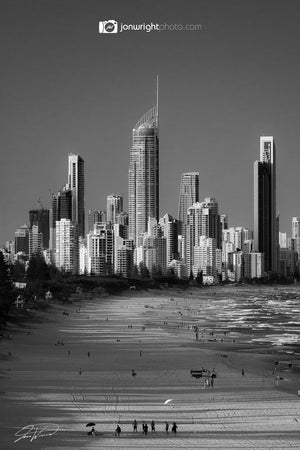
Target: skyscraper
point(67, 246)
point(100, 250)
point(76, 185)
point(265, 222)
point(296, 234)
point(169, 227)
point(35, 241)
point(95, 216)
point(22, 242)
point(188, 195)
point(40, 218)
point(114, 207)
point(143, 182)
point(203, 219)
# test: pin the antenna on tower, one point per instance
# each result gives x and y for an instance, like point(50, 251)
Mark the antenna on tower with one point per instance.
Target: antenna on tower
point(157, 94)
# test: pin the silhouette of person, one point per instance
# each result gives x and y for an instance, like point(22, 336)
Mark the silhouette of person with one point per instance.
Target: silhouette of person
point(152, 426)
point(134, 424)
point(167, 427)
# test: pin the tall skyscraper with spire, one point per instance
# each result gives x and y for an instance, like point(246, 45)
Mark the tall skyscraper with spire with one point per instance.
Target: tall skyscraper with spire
point(265, 220)
point(188, 195)
point(76, 185)
point(143, 182)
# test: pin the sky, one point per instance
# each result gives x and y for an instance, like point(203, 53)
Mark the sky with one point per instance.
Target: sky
point(66, 88)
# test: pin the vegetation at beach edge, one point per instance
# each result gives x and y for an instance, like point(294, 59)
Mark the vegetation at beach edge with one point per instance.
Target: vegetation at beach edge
point(41, 278)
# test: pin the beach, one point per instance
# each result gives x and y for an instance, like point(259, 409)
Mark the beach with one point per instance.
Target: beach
point(112, 360)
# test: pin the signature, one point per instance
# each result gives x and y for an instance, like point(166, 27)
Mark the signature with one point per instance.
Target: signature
point(36, 431)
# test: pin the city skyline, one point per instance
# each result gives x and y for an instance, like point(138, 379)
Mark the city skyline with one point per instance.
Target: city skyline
point(221, 88)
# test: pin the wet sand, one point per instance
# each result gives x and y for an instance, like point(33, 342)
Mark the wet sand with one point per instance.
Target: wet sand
point(73, 369)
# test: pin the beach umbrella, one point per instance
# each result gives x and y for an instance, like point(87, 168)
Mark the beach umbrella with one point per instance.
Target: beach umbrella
point(90, 424)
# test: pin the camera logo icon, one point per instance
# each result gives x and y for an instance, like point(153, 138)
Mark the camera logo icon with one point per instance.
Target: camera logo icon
point(108, 26)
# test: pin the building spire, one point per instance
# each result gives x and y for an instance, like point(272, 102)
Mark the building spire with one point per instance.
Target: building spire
point(157, 94)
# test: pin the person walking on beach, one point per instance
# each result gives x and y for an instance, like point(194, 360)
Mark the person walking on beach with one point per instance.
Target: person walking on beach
point(80, 371)
point(146, 429)
point(134, 424)
point(118, 430)
point(167, 427)
point(143, 427)
point(89, 354)
point(152, 426)
point(174, 428)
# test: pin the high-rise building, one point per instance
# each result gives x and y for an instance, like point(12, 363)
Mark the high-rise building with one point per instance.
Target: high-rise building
point(282, 240)
point(188, 195)
point(125, 261)
point(205, 256)
point(143, 182)
point(40, 218)
point(95, 216)
point(155, 248)
point(76, 185)
point(224, 221)
point(61, 209)
point(114, 207)
point(265, 221)
point(100, 250)
point(22, 242)
point(122, 219)
point(83, 257)
point(35, 241)
point(296, 235)
point(169, 227)
point(67, 246)
point(64, 204)
point(288, 262)
point(203, 220)
point(254, 266)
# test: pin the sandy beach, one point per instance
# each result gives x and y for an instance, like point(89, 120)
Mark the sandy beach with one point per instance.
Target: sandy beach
point(115, 359)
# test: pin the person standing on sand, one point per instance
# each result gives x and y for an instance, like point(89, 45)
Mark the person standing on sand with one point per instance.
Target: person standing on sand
point(152, 426)
point(174, 428)
point(146, 429)
point(118, 431)
point(134, 424)
point(167, 427)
